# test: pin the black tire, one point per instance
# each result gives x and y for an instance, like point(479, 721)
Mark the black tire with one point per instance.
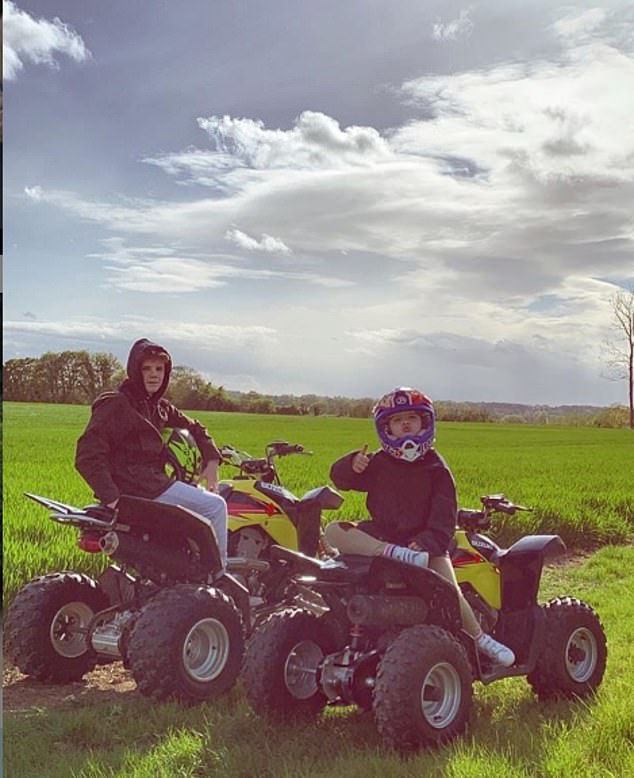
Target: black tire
point(45, 628)
point(574, 653)
point(281, 664)
point(423, 690)
point(187, 644)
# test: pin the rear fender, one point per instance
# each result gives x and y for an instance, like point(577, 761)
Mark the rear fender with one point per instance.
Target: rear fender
point(164, 520)
point(521, 568)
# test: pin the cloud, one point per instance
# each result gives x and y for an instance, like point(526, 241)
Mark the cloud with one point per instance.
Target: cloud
point(457, 28)
point(33, 192)
point(496, 209)
point(242, 147)
point(160, 270)
point(27, 39)
point(93, 329)
point(268, 244)
point(576, 28)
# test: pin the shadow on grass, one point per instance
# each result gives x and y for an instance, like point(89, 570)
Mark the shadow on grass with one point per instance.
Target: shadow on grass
point(137, 736)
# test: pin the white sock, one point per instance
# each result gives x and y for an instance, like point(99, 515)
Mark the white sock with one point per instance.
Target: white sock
point(407, 555)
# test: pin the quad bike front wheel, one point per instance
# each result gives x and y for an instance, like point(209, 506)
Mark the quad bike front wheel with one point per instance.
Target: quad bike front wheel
point(574, 653)
point(187, 644)
point(282, 661)
point(423, 689)
point(47, 624)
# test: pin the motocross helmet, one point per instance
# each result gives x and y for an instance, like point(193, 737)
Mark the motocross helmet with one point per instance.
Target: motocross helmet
point(183, 460)
point(410, 447)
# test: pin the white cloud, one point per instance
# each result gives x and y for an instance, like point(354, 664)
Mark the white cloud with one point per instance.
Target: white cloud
point(580, 27)
point(160, 270)
point(268, 244)
point(460, 27)
point(242, 147)
point(491, 221)
point(204, 336)
point(27, 39)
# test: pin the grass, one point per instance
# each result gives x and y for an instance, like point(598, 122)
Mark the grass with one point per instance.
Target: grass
point(511, 733)
point(578, 479)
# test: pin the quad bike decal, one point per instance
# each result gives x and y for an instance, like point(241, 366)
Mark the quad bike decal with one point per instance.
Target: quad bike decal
point(264, 513)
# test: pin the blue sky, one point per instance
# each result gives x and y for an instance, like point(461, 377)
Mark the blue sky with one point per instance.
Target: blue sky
point(328, 197)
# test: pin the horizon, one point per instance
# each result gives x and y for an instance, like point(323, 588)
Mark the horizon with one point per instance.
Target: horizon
point(324, 199)
point(232, 391)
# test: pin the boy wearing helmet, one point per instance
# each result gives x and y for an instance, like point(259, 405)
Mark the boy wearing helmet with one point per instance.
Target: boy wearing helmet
point(411, 499)
point(122, 451)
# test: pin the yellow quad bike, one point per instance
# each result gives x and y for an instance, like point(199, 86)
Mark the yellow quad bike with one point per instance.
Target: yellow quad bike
point(502, 585)
point(387, 636)
point(264, 513)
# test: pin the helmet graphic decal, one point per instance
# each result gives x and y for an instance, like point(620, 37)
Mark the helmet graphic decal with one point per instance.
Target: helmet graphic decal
point(183, 460)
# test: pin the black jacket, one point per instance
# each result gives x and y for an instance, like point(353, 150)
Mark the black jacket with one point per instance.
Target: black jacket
point(121, 450)
point(407, 501)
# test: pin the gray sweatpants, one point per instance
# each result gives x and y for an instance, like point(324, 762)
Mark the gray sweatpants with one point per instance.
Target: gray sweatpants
point(210, 506)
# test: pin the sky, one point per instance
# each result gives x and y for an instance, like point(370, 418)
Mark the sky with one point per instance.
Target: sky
point(333, 197)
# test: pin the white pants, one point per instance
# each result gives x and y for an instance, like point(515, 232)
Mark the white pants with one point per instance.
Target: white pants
point(210, 506)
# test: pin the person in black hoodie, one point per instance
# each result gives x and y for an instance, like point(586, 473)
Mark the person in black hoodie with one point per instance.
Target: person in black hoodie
point(122, 452)
point(411, 498)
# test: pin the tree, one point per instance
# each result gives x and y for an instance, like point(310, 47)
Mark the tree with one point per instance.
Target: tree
point(620, 356)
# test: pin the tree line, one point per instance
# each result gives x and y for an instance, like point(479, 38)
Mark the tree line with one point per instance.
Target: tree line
point(77, 377)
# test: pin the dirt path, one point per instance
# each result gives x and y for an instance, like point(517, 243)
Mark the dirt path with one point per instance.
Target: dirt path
point(107, 683)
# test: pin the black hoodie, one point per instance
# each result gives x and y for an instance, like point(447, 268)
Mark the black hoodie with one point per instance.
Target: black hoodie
point(121, 450)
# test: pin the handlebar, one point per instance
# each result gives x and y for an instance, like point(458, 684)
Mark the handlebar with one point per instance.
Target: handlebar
point(473, 520)
point(498, 503)
point(280, 448)
point(254, 465)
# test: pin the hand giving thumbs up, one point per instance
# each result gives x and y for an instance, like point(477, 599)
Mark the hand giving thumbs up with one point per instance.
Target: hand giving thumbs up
point(361, 460)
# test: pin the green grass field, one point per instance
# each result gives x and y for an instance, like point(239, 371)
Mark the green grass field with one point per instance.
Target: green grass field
point(578, 479)
point(511, 734)
point(580, 482)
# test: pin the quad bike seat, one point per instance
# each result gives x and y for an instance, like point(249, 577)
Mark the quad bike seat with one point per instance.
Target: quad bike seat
point(351, 568)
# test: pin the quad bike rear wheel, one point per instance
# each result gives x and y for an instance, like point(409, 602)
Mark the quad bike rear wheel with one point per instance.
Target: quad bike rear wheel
point(47, 624)
point(281, 664)
point(187, 644)
point(574, 652)
point(423, 690)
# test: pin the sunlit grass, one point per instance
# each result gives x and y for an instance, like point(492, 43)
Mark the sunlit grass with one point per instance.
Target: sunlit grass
point(511, 734)
point(578, 479)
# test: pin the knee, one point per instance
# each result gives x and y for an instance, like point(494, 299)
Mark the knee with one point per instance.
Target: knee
point(335, 530)
point(217, 504)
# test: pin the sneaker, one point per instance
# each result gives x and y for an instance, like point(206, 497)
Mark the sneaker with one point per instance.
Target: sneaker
point(496, 651)
point(407, 555)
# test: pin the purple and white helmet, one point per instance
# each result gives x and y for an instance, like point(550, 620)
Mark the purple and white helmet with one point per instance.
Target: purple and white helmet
point(411, 447)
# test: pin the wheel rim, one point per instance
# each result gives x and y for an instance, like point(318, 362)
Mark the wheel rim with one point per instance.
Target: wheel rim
point(205, 650)
point(581, 655)
point(300, 669)
point(69, 628)
point(440, 695)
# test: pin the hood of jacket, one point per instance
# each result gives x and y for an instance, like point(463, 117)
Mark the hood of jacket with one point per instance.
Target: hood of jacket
point(141, 350)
